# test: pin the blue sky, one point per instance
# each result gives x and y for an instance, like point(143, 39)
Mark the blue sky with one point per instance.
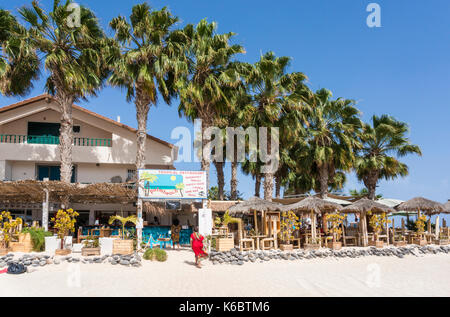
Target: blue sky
point(401, 69)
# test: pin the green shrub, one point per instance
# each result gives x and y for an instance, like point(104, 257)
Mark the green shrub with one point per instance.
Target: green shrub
point(149, 254)
point(160, 255)
point(37, 237)
point(155, 254)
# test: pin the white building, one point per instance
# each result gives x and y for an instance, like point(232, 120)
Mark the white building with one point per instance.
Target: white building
point(104, 151)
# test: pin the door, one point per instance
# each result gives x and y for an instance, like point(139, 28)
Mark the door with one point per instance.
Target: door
point(53, 173)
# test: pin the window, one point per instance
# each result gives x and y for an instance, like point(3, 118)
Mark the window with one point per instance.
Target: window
point(131, 174)
point(76, 129)
point(53, 173)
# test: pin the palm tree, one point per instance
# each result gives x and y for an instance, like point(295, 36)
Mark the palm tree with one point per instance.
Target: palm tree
point(382, 141)
point(150, 58)
point(332, 140)
point(123, 221)
point(73, 57)
point(19, 64)
point(269, 85)
point(202, 92)
point(362, 193)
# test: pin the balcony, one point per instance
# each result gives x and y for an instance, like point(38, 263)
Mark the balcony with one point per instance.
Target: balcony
point(52, 140)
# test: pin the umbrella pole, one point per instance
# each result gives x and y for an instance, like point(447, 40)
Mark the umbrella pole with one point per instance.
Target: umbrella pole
point(313, 226)
point(364, 229)
point(436, 227)
point(256, 222)
point(387, 228)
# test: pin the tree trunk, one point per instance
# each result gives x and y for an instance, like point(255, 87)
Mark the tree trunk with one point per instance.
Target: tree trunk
point(257, 185)
point(234, 181)
point(65, 135)
point(220, 178)
point(206, 159)
point(268, 186)
point(323, 179)
point(278, 186)
point(370, 181)
point(234, 167)
point(142, 108)
point(268, 177)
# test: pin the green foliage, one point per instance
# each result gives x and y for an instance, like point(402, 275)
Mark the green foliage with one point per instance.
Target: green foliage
point(155, 254)
point(92, 243)
point(123, 221)
point(213, 194)
point(37, 237)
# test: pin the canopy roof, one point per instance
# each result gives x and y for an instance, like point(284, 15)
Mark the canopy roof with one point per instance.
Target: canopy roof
point(31, 191)
point(419, 203)
point(390, 202)
point(365, 205)
point(447, 207)
point(254, 204)
point(313, 203)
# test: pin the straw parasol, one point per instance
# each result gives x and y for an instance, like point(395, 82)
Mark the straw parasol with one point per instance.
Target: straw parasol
point(314, 205)
point(363, 206)
point(447, 207)
point(253, 205)
point(419, 204)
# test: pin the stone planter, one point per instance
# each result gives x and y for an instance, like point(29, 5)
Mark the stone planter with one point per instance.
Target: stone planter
point(90, 251)
point(312, 246)
point(336, 245)
point(62, 251)
point(224, 244)
point(286, 247)
point(123, 247)
point(442, 242)
point(378, 244)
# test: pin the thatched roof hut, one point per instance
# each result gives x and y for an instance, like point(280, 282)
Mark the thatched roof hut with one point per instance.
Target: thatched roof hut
point(364, 205)
point(447, 207)
point(430, 207)
point(254, 204)
point(313, 204)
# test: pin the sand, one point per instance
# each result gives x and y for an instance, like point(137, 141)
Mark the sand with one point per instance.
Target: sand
point(427, 275)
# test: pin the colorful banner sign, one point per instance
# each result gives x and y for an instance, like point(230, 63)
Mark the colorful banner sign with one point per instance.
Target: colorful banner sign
point(170, 184)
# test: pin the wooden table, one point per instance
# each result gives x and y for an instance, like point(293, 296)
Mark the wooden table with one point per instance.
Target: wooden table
point(257, 237)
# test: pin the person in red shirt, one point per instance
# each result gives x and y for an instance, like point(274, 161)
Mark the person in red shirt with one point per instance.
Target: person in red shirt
point(198, 247)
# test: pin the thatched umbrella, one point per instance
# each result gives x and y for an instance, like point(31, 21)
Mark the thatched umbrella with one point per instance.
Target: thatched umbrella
point(314, 205)
point(419, 204)
point(363, 206)
point(447, 207)
point(253, 205)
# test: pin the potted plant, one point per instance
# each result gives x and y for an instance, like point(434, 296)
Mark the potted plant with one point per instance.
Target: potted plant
point(91, 247)
point(336, 220)
point(64, 220)
point(289, 223)
point(37, 236)
point(123, 245)
point(420, 225)
point(9, 229)
point(313, 244)
point(224, 242)
point(377, 222)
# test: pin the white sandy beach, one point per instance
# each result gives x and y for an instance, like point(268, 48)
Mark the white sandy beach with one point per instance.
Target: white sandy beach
point(428, 275)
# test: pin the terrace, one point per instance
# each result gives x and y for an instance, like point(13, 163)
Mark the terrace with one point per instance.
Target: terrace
point(52, 140)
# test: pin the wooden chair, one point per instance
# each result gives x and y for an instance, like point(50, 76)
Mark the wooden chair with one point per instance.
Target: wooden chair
point(266, 241)
point(296, 243)
point(246, 244)
point(80, 236)
point(350, 234)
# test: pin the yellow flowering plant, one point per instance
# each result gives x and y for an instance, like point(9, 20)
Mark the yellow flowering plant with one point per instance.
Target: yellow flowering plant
point(289, 223)
point(377, 222)
point(420, 224)
point(336, 219)
point(9, 228)
point(65, 221)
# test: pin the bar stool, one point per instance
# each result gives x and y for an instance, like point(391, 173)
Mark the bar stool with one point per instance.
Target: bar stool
point(246, 244)
point(270, 241)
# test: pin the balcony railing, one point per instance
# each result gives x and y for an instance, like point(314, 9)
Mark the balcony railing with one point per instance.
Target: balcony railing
point(37, 139)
